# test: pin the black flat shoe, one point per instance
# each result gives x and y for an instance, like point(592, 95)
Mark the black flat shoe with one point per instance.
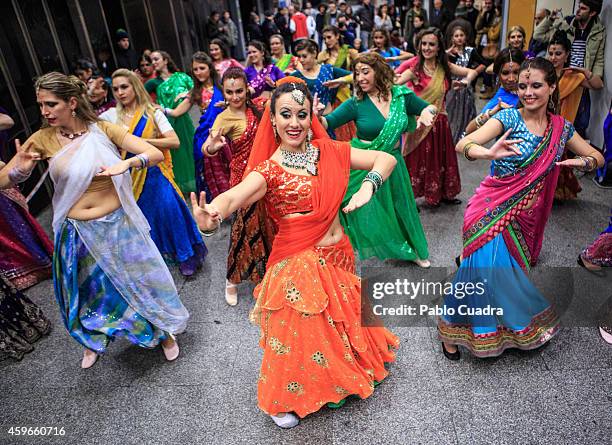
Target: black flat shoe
point(454, 356)
point(452, 202)
point(597, 272)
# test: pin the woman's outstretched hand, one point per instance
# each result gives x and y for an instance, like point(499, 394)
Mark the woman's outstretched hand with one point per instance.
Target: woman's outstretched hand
point(505, 147)
point(571, 163)
point(114, 170)
point(360, 198)
point(317, 106)
point(26, 160)
point(206, 216)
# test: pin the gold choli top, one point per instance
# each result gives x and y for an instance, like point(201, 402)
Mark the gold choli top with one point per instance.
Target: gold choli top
point(232, 124)
point(45, 142)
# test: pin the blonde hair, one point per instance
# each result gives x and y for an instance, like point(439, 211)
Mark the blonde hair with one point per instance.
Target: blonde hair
point(516, 28)
point(65, 88)
point(143, 99)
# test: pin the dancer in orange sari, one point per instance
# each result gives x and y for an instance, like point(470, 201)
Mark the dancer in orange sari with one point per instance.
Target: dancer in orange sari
point(309, 303)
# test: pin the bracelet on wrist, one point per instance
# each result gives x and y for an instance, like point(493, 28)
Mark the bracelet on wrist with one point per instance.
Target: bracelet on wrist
point(375, 179)
point(16, 175)
point(466, 150)
point(208, 233)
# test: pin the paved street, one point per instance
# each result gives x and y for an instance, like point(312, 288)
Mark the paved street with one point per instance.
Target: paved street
point(561, 394)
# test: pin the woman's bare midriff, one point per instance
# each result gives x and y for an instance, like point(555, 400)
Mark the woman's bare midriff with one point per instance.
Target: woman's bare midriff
point(95, 204)
point(334, 233)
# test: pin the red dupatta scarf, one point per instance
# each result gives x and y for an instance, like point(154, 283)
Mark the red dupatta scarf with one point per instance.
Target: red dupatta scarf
point(301, 233)
point(241, 148)
point(500, 203)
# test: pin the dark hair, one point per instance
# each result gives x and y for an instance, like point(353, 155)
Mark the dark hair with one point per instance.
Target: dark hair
point(235, 72)
point(267, 59)
point(560, 38)
point(593, 5)
point(144, 58)
point(225, 53)
point(288, 87)
point(452, 28)
point(385, 34)
point(84, 65)
point(335, 31)
point(383, 74)
point(550, 76)
point(442, 56)
point(171, 65)
point(507, 55)
point(308, 45)
point(196, 91)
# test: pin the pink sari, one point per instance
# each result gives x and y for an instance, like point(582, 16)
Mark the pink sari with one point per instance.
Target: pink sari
point(501, 204)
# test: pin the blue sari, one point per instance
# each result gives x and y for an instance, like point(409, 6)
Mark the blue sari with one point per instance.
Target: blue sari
point(603, 175)
point(505, 96)
point(173, 228)
point(201, 134)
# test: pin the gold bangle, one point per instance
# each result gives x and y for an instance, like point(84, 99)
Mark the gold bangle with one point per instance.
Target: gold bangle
point(591, 166)
point(466, 150)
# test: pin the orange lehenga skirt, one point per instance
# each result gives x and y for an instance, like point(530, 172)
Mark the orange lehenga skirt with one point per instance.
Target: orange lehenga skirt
point(315, 349)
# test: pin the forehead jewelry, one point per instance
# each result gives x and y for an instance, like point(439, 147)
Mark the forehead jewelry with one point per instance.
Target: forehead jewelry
point(298, 95)
point(511, 61)
point(232, 81)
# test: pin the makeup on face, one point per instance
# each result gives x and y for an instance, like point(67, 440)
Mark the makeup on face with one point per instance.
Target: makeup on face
point(292, 121)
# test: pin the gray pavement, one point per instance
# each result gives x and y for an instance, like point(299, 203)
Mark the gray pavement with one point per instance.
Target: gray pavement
point(561, 394)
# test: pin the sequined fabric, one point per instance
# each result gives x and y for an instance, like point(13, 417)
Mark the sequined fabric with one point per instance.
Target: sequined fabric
point(26, 249)
point(315, 348)
point(287, 192)
point(21, 321)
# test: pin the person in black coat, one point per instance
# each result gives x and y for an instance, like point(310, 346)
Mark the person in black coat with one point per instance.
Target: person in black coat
point(282, 19)
point(440, 17)
point(268, 27)
point(127, 57)
point(215, 29)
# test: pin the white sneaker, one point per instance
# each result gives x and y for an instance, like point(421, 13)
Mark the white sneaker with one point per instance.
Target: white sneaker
point(231, 293)
point(287, 421)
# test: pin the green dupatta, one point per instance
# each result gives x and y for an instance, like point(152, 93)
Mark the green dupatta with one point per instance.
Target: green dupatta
point(283, 63)
point(397, 123)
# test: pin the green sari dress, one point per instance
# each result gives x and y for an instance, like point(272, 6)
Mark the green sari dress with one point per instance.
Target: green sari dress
point(389, 226)
point(182, 159)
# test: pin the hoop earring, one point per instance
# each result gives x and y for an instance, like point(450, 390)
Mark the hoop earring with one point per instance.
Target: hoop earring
point(275, 131)
point(551, 103)
point(73, 114)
